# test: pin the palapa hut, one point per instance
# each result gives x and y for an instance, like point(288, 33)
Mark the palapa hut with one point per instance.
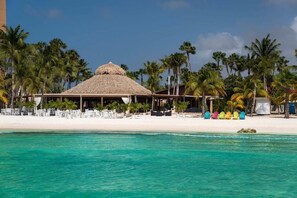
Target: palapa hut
point(109, 83)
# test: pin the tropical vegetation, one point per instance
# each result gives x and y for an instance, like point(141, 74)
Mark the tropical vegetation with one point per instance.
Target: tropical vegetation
point(30, 68)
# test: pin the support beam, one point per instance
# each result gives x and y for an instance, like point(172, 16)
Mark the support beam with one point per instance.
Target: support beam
point(211, 106)
point(102, 101)
point(80, 103)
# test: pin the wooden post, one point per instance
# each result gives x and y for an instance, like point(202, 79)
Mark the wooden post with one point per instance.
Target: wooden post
point(102, 101)
point(135, 99)
point(80, 103)
point(211, 106)
point(153, 103)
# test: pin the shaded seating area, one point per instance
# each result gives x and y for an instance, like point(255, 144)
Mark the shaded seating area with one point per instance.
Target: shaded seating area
point(161, 113)
point(110, 83)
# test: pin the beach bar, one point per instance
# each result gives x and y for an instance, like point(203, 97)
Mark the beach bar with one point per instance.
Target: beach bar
point(109, 83)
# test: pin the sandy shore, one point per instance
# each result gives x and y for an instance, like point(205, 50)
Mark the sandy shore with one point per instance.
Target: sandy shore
point(263, 124)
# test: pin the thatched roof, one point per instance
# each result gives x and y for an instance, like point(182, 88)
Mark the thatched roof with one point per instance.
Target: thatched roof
point(109, 79)
point(110, 69)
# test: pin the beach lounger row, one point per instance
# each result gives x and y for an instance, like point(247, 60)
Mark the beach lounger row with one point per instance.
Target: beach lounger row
point(223, 115)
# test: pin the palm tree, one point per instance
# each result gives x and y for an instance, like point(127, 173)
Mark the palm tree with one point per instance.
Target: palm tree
point(83, 72)
point(12, 42)
point(166, 64)
point(176, 61)
point(3, 93)
point(124, 67)
point(266, 51)
point(134, 75)
point(188, 49)
point(240, 64)
point(70, 68)
point(23, 71)
point(248, 89)
point(277, 97)
point(56, 63)
point(43, 71)
point(205, 82)
point(154, 71)
point(250, 61)
point(287, 81)
point(232, 60)
point(236, 103)
point(141, 72)
point(219, 57)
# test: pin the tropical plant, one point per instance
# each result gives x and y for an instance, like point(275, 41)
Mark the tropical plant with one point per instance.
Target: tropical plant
point(235, 102)
point(112, 106)
point(277, 97)
point(166, 64)
point(176, 61)
point(123, 108)
point(181, 106)
point(3, 92)
point(287, 81)
point(154, 71)
point(135, 107)
point(267, 52)
point(248, 89)
point(145, 107)
point(141, 72)
point(205, 83)
point(3, 97)
point(99, 107)
point(188, 49)
point(12, 43)
point(219, 57)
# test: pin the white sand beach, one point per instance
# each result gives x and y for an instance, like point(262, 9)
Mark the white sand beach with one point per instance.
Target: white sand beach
point(263, 124)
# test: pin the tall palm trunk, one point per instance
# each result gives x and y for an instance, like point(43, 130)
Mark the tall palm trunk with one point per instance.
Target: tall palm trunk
point(178, 81)
point(265, 82)
point(203, 103)
point(141, 79)
point(254, 98)
point(174, 84)
point(42, 96)
point(188, 62)
point(12, 85)
point(227, 69)
point(168, 81)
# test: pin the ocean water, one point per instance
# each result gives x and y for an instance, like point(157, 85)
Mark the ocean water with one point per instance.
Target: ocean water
point(147, 165)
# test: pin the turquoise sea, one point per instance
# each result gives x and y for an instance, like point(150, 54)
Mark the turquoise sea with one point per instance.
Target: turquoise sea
point(147, 165)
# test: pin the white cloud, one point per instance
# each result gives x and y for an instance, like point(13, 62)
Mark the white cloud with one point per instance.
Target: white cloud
point(228, 43)
point(53, 13)
point(282, 2)
point(294, 25)
point(287, 36)
point(176, 4)
point(222, 41)
point(49, 13)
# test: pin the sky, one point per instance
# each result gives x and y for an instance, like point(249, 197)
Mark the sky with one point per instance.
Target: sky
point(132, 32)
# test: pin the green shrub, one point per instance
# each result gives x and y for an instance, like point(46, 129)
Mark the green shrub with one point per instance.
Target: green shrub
point(180, 106)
